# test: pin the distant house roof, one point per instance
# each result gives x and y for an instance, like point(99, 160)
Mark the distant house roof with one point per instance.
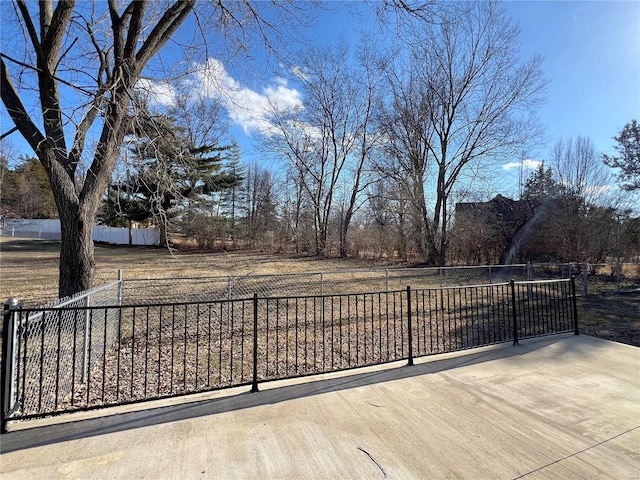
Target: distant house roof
point(498, 208)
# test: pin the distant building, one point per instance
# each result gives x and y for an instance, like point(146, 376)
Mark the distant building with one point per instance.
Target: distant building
point(499, 210)
point(484, 231)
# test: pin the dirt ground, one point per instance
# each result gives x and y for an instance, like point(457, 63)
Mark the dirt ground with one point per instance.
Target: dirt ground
point(29, 271)
point(611, 315)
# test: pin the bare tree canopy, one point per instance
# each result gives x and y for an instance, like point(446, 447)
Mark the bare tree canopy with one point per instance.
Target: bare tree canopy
point(578, 170)
point(463, 98)
point(328, 139)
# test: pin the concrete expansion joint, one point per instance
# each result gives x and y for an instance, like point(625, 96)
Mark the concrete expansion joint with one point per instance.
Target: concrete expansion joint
point(566, 457)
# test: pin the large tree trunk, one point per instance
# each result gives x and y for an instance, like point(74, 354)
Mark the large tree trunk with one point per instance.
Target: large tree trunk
point(77, 265)
point(321, 243)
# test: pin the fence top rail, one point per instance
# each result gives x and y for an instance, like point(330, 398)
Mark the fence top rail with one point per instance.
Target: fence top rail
point(220, 277)
point(325, 272)
point(80, 295)
point(534, 282)
point(332, 295)
point(463, 267)
point(462, 287)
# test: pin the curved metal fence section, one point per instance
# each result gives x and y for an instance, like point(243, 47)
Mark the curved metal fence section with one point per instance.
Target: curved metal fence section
point(74, 357)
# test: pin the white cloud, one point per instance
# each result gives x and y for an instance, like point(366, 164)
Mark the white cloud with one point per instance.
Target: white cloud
point(161, 93)
point(298, 72)
point(247, 108)
point(527, 164)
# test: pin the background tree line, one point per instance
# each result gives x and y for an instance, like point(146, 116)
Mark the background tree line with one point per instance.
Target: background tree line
point(25, 190)
point(386, 145)
point(239, 206)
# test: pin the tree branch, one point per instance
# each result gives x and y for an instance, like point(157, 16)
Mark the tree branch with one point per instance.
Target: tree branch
point(17, 112)
point(162, 31)
point(31, 29)
point(52, 42)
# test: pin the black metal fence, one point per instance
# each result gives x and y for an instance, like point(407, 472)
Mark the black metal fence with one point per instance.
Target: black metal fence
point(110, 355)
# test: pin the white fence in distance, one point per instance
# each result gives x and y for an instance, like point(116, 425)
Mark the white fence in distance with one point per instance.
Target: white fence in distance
point(120, 236)
point(50, 229)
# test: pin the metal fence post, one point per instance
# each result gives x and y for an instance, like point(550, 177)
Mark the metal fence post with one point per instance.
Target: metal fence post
point(254, 384)
point(8, 361)
point(120, 295)
point(514, 313)
point(574, 305)
point(586, 279)
point(120, 287)
point(85, 356)
point(229, 303)
point(409, 327)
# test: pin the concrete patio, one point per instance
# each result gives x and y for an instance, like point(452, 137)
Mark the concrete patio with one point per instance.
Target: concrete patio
point(556, 407)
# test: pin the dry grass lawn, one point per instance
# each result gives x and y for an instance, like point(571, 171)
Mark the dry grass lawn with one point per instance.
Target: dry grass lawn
point(29, 271)
point(29, 268)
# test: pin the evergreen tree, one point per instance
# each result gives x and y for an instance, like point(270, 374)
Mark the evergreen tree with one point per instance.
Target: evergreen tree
point(25, 191)
point(168, 175)
point(628, 160)
point(232, 192)
point(540, 186)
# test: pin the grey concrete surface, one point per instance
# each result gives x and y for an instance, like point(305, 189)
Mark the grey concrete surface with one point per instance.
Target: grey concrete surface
point(561, 407)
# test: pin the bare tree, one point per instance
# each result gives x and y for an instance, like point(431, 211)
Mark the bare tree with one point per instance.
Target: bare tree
point(120, 53)
point(578, 169)
point(385, 216)
point(465, 99)
point(296, 213)
point(260, 203)
point(329, 140)
point(582, 201)
point(367, 81)
point(83, 61)
point(405, 121)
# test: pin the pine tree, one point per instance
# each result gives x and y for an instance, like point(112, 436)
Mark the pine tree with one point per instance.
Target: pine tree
point(169, 175)
point(540, 186)
point(628, 161)
point(231, 186)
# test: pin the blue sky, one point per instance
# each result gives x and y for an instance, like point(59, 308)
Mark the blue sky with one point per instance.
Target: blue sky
point(591, 56)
